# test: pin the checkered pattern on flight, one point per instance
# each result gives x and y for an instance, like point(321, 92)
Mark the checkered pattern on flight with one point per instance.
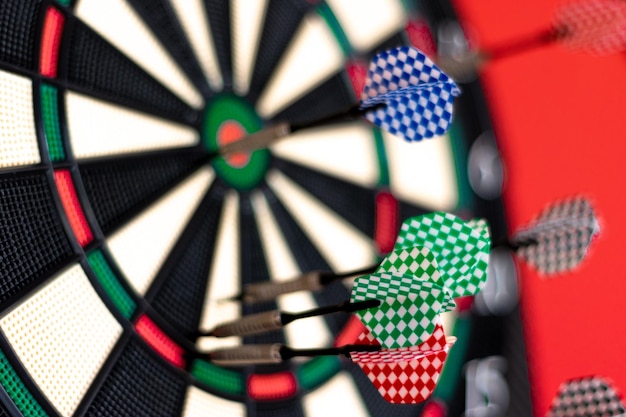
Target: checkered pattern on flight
point(479, 274)
point(596, 26)
point(563, 233)
point(462, 252)
point(417, 96)
point(405, 375)
point(435, 341)
point(407, 380)
point(408, 311)
point(418, 262)
point(481, 226)
point(586, 397)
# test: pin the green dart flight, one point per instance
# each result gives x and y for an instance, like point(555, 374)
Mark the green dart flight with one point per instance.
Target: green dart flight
point(409, 287)
point(418, 262)
point(407, 311)
point(461, 248)
point(474, 247)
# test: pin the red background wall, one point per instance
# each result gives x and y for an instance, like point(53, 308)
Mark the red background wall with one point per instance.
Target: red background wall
point(559, 118)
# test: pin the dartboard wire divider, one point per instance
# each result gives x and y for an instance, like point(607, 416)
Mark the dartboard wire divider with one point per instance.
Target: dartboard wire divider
point(119, 329)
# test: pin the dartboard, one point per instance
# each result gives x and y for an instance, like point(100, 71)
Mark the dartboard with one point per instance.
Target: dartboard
point(120, 239)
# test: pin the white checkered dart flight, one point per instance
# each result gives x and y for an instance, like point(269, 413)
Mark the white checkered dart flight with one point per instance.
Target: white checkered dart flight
point(587, 396)
point(559, 238)
point(405, 94)
point(597, 27)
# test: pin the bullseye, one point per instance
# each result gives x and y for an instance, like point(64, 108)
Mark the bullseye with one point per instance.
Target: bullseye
point(228, 132)
point(227, 119)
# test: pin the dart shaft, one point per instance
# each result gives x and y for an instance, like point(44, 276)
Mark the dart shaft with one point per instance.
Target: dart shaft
point(258, 140)
point(277, 353)
point(561, 223)
point(274, 320)
point(328, 278)
point(515, 244)
point(309, 281)
point(553, 226)
point(347, 307)
point(524, 44)
point(265, 137)
point(288, 353)
point(353, 113)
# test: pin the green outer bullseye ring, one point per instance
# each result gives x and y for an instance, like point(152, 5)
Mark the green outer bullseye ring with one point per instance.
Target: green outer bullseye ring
point(227, 107)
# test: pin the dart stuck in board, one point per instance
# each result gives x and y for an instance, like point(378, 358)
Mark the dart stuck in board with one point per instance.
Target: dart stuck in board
point(422, 237)
point(399, 307)
point(562, 233)
point(557, 241)
point(405, 94)
point(595, 27)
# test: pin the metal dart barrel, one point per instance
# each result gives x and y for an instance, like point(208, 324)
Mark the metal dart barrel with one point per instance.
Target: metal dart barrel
point(249, 325)
point(247, 355)
point(267, 291)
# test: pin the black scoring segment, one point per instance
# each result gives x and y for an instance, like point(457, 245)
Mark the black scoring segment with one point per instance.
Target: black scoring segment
point(353, 202)
point(33, 243)
point(308, 258)
point(95, 66)
point(254, 266)
point(18, 32)
point(161, 18)
point(291, 408)
point(330, 97)
point(139, 385)
point(281, 22)
point(121, 187)
point(218, 12)
point(180, 286)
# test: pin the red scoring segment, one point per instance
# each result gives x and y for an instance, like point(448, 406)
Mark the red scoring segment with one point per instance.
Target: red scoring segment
point(159, 341)
point(464, 303)
point(351, 331)
point(434, 408)
point(272, 386)
point(51, 42)
point(386, 222)
point(357, 72)
point(73, 210)
point(421, 37)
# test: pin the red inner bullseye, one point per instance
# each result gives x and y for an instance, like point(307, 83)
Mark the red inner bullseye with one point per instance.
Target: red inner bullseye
point(231, 131)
